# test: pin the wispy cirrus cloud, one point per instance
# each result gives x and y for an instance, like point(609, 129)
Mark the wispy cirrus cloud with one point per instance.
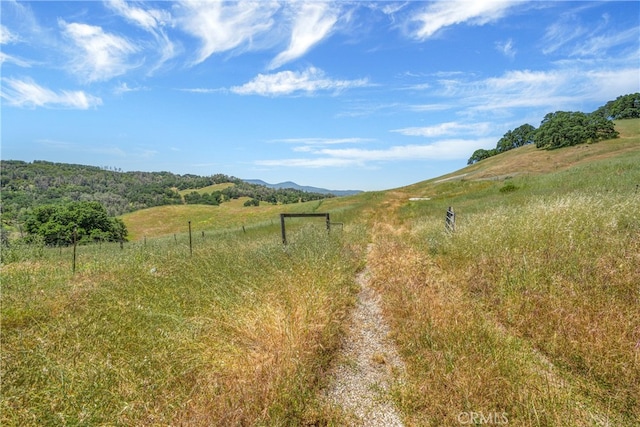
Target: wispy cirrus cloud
point(148, 19)
point(506, 48)
point(313, 163)
point(6, 36)
point(438, 15)
point(222, 26)
point(446, 149)
point(101, 55)
point(307, 145)
point(27, 93)
point(447, 128)
point(309, 81)
point(322, 141)
point(123, 88)
point(312, 23)
point(571, 36)
point(151, 20)
point(548, 90)
point(599, 44)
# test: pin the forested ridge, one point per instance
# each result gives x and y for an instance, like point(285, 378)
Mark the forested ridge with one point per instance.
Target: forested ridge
point(27, 185)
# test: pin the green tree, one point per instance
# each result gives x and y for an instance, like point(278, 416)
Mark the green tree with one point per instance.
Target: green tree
point(567, 128)
point(520, 136)
point(84, 221)
point(252, 202)
point(481, 154)
point(623, 107)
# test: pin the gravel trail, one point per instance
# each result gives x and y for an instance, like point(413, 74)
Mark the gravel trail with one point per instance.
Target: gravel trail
point(366, 365)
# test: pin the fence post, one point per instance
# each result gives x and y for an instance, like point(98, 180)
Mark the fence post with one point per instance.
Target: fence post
point(75, 243)
point(450, 222)
point(284, 233)
point(190, 241)
point(328, 224)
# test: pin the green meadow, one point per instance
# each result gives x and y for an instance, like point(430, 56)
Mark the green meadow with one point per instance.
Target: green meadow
point(527, 314)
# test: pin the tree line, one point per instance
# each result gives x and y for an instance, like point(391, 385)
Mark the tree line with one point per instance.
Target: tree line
point(567, 128)
point(27, 185)
point(41, 198)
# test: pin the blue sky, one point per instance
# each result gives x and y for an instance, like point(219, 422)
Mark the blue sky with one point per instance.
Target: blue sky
point(365, 95)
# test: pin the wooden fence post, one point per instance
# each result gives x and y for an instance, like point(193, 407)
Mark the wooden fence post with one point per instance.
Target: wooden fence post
point(190, 241)
point(75, 243)
point(450, 221)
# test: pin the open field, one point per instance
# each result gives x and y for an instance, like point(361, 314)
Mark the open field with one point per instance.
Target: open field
point(528, 314)
point(208, 189)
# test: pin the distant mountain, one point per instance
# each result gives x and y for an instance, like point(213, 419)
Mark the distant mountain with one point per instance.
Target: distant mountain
point(289, 184)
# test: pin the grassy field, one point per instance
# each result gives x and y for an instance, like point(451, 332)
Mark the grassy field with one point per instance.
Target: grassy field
point(237, 334)
point(208, 189)
point(528, 314)
point(530, 311)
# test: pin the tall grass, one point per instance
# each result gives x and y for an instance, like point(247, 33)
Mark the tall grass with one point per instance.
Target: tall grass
point(529, 310)
point(237, 334)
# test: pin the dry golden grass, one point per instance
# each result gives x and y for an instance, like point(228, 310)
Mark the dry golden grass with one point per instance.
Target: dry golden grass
point(229, 216)
point(461, 359)
point(240, 333)
point(208, 189)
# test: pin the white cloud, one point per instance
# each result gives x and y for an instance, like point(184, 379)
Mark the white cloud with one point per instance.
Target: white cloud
point(442, 14)
point(123, 87)
point(561, 33)
point(323, 141)
point(428, 107)
point(6, 36)
point(506, 48)
point(597, 45)
point(152, 21)
point(448, 128)
point(102, 55)
point(148, 19)
point(448, 149)
point(308, 163)
point(287, 82)
point(313, 23)
point(26, 93)
point(225, 26)
point(12, 59)
point(203, 90)
point(565, 88)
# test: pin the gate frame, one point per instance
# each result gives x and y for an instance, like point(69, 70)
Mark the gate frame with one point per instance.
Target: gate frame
point(301, 215)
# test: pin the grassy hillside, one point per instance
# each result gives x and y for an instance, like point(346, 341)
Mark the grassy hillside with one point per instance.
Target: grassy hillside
point(528, 312)
point(207, 189)
point(531, 308)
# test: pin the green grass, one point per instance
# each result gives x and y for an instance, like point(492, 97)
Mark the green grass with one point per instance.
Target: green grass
point(238, 333)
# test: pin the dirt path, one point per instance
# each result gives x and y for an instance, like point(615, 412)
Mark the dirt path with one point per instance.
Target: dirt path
point(366, 365)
